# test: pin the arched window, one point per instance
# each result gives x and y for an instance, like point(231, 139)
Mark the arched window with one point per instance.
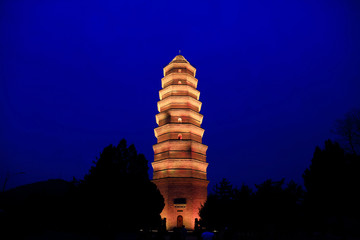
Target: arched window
point(180, 136)
point(179, 70)
point(179, 82)
point(179, 120)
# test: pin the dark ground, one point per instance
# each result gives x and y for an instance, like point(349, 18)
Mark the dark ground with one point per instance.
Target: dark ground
point(190, 236)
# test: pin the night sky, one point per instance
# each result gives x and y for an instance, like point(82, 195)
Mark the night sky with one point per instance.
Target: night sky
point(77, 76)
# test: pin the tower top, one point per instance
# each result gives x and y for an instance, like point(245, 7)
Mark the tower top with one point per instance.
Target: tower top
point(177, 64)
point(179, 59)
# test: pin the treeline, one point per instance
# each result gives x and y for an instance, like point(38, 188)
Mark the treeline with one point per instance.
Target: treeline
point(116, 195)
point(329, 204)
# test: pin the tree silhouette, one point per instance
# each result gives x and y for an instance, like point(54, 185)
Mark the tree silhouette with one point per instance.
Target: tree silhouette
point(33, 208)
point(116, 195)
point(217, 210)
point(224, 190)
point(348, 129)
point(277, 208)
point(323, 180)
point(271, 208)
point(118, 191)
point(332, 184)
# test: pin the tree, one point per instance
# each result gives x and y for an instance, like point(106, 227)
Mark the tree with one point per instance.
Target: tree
point(332, 183)
point(224, 190)
point(348, 129)
point(271, 208)
point(33, 208)
point(243, 207)
point(117, 193)
point(217, 212)
point(324, 181)
point(277, 208)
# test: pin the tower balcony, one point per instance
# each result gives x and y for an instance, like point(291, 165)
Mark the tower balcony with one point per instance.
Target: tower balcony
point(176, 64)
point(174, 78)
point(178, 128)
point(180, 173)
point(179, 90)
point(179, 136)
point(176, 154)
point(180, 164)
point(177, 119)
point(179, 116)
point(180, 69)
point(179, 102)
point(180, 145)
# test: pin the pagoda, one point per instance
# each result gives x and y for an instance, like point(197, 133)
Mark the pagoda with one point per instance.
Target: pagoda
point(179, 155)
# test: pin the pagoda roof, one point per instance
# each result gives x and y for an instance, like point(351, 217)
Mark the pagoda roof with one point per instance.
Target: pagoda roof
point(180, 62)
point(179, 59)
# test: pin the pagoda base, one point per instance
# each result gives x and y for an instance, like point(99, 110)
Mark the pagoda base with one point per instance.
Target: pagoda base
point(183, 199)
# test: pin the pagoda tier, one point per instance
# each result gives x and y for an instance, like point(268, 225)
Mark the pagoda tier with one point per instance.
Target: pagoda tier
point(184, 128)
point(165, 169)
point(179, 79)
point(179, 115)
point(179, 90)
point(179, 155)
point(184, 102)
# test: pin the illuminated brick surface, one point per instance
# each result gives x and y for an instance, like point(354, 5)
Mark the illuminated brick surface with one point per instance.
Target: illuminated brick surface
point(179, 155)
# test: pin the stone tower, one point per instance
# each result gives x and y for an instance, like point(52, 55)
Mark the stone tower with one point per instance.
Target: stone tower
point(179, 155)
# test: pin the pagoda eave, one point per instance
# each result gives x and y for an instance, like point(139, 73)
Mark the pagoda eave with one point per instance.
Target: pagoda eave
point(179, 65)
point(179, 128)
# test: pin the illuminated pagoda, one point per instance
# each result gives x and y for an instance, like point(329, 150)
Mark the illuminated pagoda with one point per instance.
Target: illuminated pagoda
point(179, 155)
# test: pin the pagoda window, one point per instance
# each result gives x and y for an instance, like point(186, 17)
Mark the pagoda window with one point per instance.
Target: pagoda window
point(179, 82)
point(180, 136)
point(179, 120)
point(180, 201)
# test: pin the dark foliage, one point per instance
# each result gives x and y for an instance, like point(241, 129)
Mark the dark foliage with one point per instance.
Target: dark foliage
point(217, 210)
point(271, 207)
point(330, 206)
point(348, 131)
point(116, 195)
point(332, 182)
point(33, 208)
point(118, 191)
point(278, 208)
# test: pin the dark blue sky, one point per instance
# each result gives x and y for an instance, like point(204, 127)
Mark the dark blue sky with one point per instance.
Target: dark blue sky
point(77, 76)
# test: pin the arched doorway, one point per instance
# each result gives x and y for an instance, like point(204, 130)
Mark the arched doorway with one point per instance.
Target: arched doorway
point(179, 221)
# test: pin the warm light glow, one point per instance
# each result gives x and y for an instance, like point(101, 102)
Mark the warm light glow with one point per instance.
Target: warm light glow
point(179, 156)
point(176, 127)
point(179, 112)
point(179, 76)
point(179, 102)
point(179, 65)
point(175, 145)
point(179, 90)
point(180, 163)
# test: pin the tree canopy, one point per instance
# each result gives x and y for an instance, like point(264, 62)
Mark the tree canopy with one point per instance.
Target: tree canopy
point(332, 183)
point(116, 195)
point(242, 209)
point(118, 191)
point(348, 130)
